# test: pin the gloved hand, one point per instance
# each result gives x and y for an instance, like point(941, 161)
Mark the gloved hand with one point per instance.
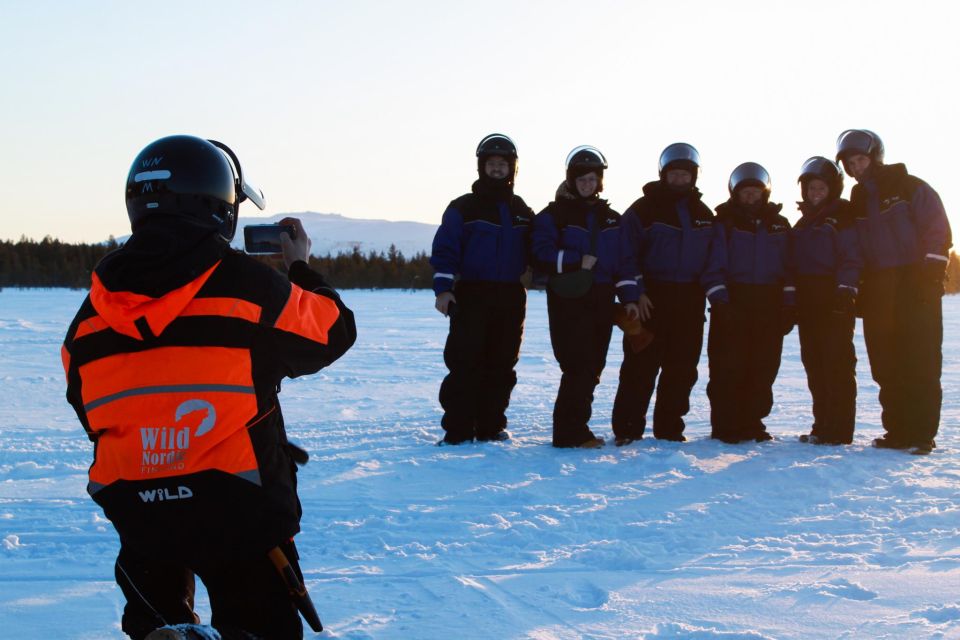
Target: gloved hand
point(638, 336)
point(845, 302)
point(930, 287)
point(788, 318)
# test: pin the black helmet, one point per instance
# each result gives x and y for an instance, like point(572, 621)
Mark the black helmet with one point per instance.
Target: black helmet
point(583, 160)
point(823, 169)
point(497, 144)
point(859, 141)
point(679, 155)
point(192, 178)
point(750, 174)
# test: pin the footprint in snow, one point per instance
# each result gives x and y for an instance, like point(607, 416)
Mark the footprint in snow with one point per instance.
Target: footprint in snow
point(840, 588)
point(581, 594)
point(939, 615)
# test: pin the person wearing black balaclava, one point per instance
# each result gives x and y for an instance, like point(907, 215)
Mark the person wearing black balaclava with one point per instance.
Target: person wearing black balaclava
point(579, 243)
point(480, 252)
point(746, 333)
point(678, 265)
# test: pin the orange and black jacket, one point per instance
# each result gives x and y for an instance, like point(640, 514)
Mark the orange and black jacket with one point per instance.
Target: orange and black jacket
point(173, 365)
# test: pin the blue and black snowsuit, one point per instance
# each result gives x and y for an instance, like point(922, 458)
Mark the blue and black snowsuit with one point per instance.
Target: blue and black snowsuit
point(825, 261)
point(673, 238)
point(480, 251)
point(580, 328)
point(904, 238)
point(746, 335)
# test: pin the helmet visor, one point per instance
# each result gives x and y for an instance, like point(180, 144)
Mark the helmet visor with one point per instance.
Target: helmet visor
point(245, 190)
point(586, 156)
point(750, 173)
point(679, 152)
point(497, 144)
point(854, 141)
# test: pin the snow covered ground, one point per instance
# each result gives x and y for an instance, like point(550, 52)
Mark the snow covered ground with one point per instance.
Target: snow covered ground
point(403, 539)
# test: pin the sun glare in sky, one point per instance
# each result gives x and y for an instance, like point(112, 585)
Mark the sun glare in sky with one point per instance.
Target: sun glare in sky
point(374, 109)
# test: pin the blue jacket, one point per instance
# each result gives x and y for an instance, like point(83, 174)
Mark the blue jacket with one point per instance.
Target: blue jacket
point(483, 237)
point(673, 237)
point(755, 246)
point(824, 243)
point(561, 237)
point(900, 220)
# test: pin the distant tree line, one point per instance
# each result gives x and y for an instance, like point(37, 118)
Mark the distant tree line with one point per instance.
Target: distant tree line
point(52, 263)
point(49, 262)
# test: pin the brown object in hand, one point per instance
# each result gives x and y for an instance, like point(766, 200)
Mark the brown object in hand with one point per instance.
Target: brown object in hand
point(638, 336)
point(297, 590)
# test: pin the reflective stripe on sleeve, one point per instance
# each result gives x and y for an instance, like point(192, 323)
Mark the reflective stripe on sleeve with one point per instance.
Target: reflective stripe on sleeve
point(713, 290)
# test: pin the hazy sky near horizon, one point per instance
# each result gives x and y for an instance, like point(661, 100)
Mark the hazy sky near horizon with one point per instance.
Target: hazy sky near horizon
point(373, 109)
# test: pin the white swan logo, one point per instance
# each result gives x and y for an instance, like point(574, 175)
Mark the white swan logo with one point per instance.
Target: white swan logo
point(198, 405)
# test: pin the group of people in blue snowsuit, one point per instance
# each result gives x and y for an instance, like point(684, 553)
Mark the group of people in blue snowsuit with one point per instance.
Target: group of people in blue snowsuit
point(881, 256)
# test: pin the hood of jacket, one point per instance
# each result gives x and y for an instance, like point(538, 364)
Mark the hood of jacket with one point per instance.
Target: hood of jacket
point(662, 194)
point(141, 287)
point(731, 209)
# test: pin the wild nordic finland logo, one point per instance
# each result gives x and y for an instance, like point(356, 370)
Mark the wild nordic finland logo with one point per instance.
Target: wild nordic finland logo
point(165, 448)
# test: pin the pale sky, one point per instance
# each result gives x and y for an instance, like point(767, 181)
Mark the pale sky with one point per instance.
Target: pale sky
point(374, 109)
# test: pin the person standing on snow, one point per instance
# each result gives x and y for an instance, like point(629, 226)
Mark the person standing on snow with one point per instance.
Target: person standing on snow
point(746, 333)
point(672, 235)
point(173, 365)
point(825, 261)
point(480, 251)
point(579, 240)
point(904, 238)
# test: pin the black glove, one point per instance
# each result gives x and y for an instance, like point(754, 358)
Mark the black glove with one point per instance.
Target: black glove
point(930, 287)
point(298, 454)
point(845, 302)
point(788, 318)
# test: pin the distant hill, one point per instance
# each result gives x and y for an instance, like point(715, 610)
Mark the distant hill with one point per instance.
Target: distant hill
point(333, 233)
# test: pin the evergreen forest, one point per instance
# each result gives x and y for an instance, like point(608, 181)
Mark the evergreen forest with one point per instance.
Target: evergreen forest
point(52, 263)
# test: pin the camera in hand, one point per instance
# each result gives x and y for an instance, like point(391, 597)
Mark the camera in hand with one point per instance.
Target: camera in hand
point(265, 238)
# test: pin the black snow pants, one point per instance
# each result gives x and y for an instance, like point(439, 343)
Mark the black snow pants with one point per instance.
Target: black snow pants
point(580, 330)
point(829, 358)
point(744, 347)
point(247, 595)
point(677, 324)
point(482, 349)
point(903, 332)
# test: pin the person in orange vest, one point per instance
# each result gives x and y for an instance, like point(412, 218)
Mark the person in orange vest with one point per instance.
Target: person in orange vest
point(173, 366)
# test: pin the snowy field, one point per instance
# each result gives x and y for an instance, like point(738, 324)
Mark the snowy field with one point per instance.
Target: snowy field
point(403, 539)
